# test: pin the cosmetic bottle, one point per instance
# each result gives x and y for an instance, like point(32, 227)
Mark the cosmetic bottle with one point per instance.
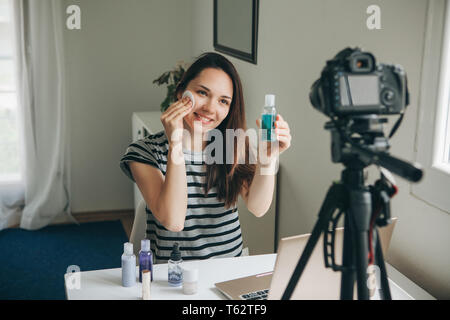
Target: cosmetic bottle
point(128, 265)
point(190, 280)
point(268, 117)
point(146, 274)
point(145, 259)
point(175, 273)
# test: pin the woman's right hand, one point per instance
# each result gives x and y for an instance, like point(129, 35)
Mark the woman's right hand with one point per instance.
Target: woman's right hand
point(172, 119)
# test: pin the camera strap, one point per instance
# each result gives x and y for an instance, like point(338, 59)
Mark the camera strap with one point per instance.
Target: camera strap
point(405, 102)
point(396, 125)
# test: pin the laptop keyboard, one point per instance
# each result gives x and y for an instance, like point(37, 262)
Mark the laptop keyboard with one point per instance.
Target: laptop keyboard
point(256, 295)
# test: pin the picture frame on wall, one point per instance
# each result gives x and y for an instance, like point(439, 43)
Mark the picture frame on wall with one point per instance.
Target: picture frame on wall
point(236, 28)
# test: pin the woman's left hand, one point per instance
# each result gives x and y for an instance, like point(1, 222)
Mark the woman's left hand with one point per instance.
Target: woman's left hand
point(283, 134)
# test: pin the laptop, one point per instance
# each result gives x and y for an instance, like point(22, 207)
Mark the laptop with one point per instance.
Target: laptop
point(316, 282)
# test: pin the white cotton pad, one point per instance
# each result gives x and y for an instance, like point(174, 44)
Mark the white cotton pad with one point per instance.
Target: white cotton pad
point(190, 95)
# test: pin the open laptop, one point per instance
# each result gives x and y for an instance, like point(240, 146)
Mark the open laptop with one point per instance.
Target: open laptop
point(316, 282)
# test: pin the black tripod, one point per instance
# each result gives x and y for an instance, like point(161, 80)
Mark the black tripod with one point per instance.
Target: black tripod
point(364, 207)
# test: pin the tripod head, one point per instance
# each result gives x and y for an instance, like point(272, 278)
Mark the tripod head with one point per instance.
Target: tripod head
point(359, 141)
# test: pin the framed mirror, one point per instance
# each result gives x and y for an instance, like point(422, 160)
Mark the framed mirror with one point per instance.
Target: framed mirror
point(236, 28)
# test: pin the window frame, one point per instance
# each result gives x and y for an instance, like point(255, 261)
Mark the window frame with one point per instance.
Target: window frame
point(433, 116)
point(15, 179)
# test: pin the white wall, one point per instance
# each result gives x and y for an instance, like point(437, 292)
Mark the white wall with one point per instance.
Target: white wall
point(295, 39)
point(111, 62)
point(124, 45)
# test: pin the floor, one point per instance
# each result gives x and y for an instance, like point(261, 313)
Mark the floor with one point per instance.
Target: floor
point(125, 216)
point(37, 260)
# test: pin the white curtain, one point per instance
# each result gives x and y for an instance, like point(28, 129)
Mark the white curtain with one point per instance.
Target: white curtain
point(42, 112)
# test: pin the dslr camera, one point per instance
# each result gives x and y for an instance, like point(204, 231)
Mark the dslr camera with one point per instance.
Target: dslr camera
point(353, 84)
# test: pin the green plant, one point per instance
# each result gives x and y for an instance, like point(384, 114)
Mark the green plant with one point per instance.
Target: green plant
point(171, 79)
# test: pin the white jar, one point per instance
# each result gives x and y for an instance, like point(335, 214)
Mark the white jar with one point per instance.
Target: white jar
point(190, 281)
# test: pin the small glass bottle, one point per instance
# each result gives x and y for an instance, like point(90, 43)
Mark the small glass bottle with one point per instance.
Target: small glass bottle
point(145, 259)
point(175, 273)
point(128, 265)
point(268, 118)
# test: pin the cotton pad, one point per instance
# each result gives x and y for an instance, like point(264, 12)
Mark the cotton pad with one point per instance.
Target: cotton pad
point(189, 94)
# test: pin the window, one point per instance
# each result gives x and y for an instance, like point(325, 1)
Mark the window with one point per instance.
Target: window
point(10, 168)
point(433, 134)
point(442, 156)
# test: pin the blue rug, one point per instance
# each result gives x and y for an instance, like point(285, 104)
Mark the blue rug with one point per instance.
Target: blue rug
point(33, 263)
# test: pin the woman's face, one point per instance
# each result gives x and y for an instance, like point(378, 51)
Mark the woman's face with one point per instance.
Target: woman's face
point(213, 93)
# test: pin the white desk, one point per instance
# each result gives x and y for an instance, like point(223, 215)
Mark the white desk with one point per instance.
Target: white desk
point(107, 284)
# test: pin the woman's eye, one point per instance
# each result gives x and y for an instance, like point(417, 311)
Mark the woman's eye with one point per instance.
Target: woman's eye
point(202, 92)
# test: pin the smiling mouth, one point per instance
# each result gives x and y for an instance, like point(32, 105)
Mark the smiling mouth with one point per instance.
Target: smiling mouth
point(202, 118)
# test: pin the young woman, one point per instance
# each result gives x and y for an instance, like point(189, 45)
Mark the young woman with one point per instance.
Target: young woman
point(192, 201)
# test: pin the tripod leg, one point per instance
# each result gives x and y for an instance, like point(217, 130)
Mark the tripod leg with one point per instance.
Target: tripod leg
point(360, 209)
point(335, 196)
point(348, 273)
point(362, 265)
point(379, 260)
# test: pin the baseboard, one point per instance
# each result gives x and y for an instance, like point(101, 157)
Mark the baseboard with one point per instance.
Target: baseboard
point(92, 216)
point(103, 215)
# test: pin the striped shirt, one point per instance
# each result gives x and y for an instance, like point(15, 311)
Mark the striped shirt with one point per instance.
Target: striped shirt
point(210, 229)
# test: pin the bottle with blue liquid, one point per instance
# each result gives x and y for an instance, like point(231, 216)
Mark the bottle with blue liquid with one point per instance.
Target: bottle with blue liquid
point(268, 118)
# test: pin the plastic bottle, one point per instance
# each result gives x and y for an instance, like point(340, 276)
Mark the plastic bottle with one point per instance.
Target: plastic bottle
point(190, 280)
point(128, 265)
point(145, 259)
point(175, 272)
point(268, 117)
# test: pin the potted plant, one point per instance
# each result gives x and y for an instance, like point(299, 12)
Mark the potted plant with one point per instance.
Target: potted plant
point(171, 79)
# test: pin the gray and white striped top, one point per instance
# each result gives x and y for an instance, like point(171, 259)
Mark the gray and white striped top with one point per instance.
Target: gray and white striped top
point(210, 229)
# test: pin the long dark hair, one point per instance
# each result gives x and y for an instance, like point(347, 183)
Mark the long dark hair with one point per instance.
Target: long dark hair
point(228, 178)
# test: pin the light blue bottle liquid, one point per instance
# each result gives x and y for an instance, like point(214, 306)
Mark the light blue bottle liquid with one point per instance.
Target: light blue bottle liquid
point(128, 266)
point(268, 118)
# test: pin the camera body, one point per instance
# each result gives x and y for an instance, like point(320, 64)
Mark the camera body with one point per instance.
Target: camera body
point(353, 84)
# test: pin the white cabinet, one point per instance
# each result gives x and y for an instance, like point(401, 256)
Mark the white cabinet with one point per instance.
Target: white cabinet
point(144, 124)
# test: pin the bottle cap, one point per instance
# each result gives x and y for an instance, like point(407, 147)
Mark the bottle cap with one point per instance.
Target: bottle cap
point(176, 254)
point(270, 100)
point(145, 245)
point(190, 274)
point(128, 248)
